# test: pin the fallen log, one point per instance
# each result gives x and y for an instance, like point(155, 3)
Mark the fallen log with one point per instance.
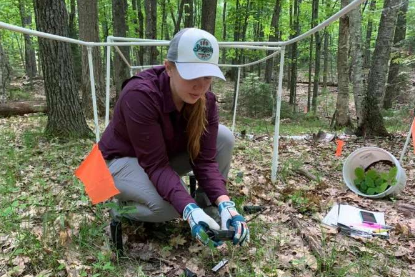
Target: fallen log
point(22, 108)
point(407, 209)
point(312, 241)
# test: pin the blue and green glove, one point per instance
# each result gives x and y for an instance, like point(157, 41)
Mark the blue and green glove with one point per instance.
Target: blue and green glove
point(199, 223)
point(231, 218)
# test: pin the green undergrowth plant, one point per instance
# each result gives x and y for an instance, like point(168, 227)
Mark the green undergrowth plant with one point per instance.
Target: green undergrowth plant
point(373, 182)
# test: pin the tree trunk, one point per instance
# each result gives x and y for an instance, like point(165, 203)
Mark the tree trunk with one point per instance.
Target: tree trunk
point(369, 30)
point(326, 51)
point(140, 17)
point(188, 13)
point(163, 26)
point(119, 17)
point(179, 17)
point(274, 36)
point(151, 29)
point(22, 108)
point(310, 58)
point(209, 15)
point(30, 56)
point(310, 73)
point(5, 71)
point(341, 116)
point(65, 116)
point(372, 123)
point(380, 61)
point(294, 55)
point(88, 31)
point(393, 88)
point(317, 60)
point(76, 55)
point(355, 22)
point(223, 60)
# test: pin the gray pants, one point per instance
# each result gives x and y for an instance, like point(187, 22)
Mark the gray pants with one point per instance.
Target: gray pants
point(138, 191)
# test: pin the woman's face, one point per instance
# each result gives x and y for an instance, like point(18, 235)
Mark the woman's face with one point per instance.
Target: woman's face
point(186, 91)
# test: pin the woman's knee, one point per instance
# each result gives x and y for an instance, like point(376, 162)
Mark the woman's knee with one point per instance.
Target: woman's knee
point(225, 139)
point(163, 211)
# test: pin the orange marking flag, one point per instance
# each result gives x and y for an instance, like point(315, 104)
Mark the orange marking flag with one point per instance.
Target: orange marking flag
point(413, 133)
point(98, 181)
point(339, 149)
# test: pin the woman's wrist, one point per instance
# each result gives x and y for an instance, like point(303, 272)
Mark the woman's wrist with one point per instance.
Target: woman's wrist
point(221, 199)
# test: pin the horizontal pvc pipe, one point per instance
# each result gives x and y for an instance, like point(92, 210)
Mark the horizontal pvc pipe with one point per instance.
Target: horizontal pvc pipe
point(319, 27)
point(252, 63)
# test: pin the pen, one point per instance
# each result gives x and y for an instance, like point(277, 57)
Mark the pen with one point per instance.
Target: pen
point(380, 231)
point(376, 225)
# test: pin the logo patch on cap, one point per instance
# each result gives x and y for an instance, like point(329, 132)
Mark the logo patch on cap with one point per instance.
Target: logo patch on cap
point(203, 49)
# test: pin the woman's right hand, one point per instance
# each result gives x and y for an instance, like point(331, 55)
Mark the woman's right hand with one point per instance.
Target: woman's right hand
point(199, 223)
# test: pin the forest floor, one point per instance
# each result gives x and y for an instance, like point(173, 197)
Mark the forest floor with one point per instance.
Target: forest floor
point(49, 227)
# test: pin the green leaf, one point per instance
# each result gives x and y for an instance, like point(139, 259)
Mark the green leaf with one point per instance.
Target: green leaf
point(363, 186)
point(373, 174)
point(384, 175)
point(379, 181)
point(369, 181)
point(371, 191)
point(392, 173)
point(360, 173)
point(382, 187)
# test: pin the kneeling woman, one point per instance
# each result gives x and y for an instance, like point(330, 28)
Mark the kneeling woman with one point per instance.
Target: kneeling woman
point(165, 124)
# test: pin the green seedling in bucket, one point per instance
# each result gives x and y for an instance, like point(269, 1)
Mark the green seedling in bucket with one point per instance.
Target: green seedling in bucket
point(372, 182)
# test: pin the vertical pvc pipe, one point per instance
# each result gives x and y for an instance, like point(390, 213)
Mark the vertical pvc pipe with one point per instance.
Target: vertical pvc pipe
point(131, 72)
point(94, 97)
point(277, 119)
point(236, 101)
point(408, 138)
point(107, 85)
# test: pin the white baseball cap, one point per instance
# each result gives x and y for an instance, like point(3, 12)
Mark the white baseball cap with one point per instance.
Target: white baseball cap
point(195, 53)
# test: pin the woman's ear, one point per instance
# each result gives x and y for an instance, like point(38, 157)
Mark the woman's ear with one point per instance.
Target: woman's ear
point(168, 67)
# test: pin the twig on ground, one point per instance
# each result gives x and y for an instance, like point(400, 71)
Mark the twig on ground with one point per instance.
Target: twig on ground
point(258, 214)
point(306, 174)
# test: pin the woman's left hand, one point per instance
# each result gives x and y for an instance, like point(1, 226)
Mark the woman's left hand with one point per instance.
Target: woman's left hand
point(230, 217)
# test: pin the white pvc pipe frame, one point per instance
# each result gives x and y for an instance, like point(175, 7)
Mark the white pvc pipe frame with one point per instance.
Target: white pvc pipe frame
point(278, 47)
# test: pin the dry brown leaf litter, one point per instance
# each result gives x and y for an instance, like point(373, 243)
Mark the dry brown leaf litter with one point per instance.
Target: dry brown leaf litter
point(280, 245)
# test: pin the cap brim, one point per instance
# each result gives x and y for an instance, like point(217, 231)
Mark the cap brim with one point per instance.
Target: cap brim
point(189, 71)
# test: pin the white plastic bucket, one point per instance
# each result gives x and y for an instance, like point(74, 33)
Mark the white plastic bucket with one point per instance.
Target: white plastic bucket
point(364, 157)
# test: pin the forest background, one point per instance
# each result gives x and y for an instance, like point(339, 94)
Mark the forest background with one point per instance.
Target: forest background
point(356, 76)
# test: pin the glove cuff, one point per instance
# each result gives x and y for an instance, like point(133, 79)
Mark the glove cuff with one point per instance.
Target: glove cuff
point(189, 209)
point(225, 204)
